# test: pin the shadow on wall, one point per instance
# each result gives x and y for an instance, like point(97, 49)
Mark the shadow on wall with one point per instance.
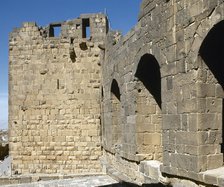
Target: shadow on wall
point(115, 89)
point(148, 72)
point(212, 51)
point(125, 184)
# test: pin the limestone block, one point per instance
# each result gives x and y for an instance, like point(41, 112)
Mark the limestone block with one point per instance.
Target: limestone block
point(219, 91)
point(208, 121)
point(215, 161)
point(152, 139)
point(205, 90)
point(171, 122)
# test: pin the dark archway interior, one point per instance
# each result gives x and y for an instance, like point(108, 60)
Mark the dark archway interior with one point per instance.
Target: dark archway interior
point(148, 72)
point(115, 89)
point(212, 53)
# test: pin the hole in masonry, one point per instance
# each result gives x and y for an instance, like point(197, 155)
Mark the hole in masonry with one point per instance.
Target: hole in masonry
point(55, 30)
point(86, 28)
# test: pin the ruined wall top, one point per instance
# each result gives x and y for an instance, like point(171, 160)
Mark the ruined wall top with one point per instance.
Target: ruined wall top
point(89, 26)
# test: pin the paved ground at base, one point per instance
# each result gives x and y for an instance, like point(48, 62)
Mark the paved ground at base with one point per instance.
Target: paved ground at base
point(88, 181)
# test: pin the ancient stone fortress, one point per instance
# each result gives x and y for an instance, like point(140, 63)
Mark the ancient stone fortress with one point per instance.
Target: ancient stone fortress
point(145, 108)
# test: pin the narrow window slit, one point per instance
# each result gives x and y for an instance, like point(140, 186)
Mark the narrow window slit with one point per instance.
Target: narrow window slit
point(86, 28)
point(58, 84)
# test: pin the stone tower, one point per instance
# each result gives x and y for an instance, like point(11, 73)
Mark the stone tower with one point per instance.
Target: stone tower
point(54, 92)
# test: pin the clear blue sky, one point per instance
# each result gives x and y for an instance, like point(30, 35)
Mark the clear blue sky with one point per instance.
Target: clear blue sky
point(122, 15)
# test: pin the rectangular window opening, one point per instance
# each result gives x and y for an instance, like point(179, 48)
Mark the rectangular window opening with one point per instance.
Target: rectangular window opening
point(55, 30)
point(86, 33)
point(58, 84)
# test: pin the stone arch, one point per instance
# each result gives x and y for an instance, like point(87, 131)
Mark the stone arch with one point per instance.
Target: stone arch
point(204, 28)
point(115, 113)
point(148, 108)
point(148, 49)
point(148, 72)
point(211, 54)
point(211, 51)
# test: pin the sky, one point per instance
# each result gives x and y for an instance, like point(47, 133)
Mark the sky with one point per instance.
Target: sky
point(122, 15)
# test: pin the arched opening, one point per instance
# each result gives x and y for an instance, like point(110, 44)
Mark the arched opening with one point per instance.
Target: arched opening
point(211, 51)
point(148, 72)
point(115, 112)
point(148, 108)
point(212, 54)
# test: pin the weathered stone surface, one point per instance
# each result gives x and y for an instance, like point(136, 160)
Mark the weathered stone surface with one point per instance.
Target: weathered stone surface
point(155, 94)
point(63, 181)
point(191, 108)
point(55, 126)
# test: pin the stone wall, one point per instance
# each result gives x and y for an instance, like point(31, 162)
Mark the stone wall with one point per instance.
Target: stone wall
point(126, 62)
point(169, 75)
point(54, 91)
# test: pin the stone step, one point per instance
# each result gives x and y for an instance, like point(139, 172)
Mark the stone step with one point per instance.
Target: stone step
point(214, 176)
